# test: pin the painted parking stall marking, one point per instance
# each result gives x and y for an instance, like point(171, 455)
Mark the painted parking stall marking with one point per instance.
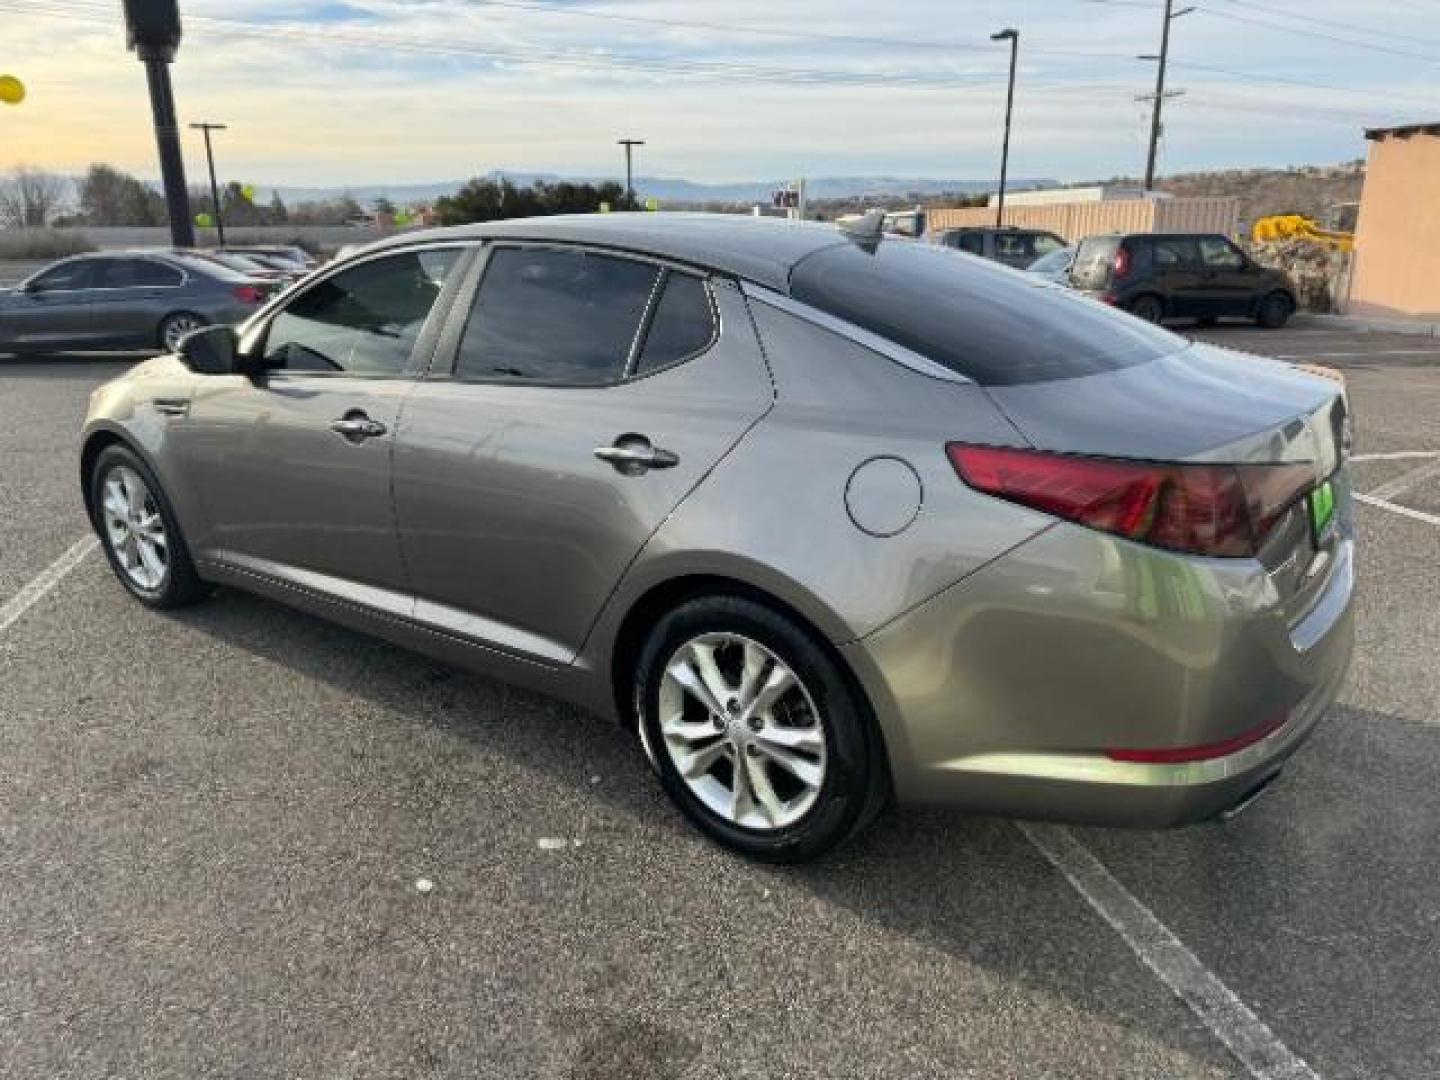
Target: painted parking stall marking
point(36, 589)
point(1229, 1019)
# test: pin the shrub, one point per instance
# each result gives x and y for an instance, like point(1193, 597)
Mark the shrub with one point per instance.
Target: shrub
point(42, 244)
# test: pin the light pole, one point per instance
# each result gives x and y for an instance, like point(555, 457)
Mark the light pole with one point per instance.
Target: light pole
point(207, 128)
point(629, 145)
point(1013, 36)
point(153, 34)
point(1160, 95)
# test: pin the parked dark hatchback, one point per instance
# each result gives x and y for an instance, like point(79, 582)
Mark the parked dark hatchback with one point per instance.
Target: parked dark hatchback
point(1017, 248)
point(1192, 276)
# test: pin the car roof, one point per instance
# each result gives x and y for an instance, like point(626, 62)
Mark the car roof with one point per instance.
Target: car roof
point(762, 250)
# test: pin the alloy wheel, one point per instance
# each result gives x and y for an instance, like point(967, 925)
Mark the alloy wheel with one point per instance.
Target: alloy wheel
point(742, 731)
point(177, 327)
point(135, 529)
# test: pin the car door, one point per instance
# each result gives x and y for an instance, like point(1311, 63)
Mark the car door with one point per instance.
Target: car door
point(1175, 262)
point(131, 297)
point(585, 395)
point(292, 461)
point(52, 309)
point(1230, 282)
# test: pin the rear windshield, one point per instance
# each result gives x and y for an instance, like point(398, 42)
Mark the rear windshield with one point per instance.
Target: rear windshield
point(207, 267)
point(990, 324)
point(1094, 262)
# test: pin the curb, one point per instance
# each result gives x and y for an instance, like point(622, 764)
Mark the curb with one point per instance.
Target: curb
point(1412, 327)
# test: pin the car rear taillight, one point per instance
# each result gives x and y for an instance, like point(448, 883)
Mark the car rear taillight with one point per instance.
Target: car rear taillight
point(249, 294)
point(1122, 263)
point(1223, 510)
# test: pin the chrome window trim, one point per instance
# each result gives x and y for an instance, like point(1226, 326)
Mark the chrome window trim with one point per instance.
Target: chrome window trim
point(859, 335)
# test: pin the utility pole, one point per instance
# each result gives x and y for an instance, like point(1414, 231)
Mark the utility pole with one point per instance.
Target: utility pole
point(629, 145)
point(207, 128)
point(153, 34)
point(1013, 36)
point(1160, 94)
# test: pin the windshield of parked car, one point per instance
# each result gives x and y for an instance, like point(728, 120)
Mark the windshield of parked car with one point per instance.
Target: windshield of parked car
point(990, 324)
point(1048, 264)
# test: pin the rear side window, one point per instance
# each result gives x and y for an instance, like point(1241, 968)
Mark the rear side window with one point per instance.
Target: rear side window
point(136, 273)
point(553, 316)
point(684, 324)
point(1175, 252)
point(987, 323)
point(1219, 254)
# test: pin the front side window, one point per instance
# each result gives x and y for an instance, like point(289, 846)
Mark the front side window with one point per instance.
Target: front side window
point(1219, 254)
point(362, 321)
point(547, 315)
point(1010, 246)
point(68, 276)
point(683, 324)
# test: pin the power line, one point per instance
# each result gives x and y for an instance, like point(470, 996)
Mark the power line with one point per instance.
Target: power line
point(1317, 20)
point(1320, 35)
point(1309, 84)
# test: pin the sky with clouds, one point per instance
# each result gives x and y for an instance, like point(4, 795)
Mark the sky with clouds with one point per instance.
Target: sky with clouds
point(329, 92)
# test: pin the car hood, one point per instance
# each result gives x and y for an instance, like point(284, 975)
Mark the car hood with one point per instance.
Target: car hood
point(1201, 403)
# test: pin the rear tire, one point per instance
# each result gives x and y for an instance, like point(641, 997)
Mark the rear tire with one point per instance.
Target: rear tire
point(140, 533)
point(175, 326)
point(777, 775)
point(1274, 311)
point(1148, 307)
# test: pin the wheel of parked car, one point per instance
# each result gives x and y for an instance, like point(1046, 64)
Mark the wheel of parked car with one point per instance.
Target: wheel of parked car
point(174, 328)
point(756, 731)
point(1274, 311)
point(139, 532)
point(1148, 307)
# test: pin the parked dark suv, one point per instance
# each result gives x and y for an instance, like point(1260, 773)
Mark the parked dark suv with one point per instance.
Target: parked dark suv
point(1013, 247)
point(1195, 276)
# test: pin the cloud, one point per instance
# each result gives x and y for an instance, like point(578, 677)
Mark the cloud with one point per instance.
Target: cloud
point(375, 91)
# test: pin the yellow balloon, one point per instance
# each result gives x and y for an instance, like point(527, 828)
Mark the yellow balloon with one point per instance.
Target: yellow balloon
point(249, 192)
point(12, 90)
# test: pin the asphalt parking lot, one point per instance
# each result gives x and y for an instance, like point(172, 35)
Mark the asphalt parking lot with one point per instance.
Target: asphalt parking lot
point(212, 824)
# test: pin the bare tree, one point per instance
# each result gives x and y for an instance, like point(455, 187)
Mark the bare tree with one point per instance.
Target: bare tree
point(30, 197)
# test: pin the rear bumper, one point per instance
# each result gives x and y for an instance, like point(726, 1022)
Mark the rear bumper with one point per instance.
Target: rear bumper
point(1002, 694)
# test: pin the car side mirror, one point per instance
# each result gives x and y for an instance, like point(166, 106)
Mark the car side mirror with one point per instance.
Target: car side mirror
point(212, 350)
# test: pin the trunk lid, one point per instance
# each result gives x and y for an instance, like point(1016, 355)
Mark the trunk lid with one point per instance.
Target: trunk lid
point(1207, 404)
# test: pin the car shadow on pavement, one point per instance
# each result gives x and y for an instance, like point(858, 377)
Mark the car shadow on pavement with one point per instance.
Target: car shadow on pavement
point(967, 888)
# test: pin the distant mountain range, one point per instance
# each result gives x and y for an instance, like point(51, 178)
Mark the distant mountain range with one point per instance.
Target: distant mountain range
point(668, 189)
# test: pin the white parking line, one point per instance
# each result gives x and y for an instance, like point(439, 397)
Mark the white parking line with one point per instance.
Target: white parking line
point(1405, 481)
point(1229, 1019)
point(1396, 508)
point(35, 590)
point(1402, 455)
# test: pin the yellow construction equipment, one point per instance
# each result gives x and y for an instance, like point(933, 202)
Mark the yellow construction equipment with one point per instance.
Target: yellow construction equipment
point(1300, 227)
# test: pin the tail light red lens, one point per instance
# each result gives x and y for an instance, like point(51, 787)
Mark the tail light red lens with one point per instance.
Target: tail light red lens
point(249, 294)
point(1180, 755)
point(1122, 263)
point(1222, 510)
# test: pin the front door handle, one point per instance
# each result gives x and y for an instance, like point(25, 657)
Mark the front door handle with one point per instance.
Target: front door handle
point(633, 454)
point(357, 427)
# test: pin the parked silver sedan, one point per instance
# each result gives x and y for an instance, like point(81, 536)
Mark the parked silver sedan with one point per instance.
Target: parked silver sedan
point(823, 519)
point(124, 300)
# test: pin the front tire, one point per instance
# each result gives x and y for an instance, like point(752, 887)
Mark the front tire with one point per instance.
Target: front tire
point(757, 733)
point(140, 533)
point(1274, 311)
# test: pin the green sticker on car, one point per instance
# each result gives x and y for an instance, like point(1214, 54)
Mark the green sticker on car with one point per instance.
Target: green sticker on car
point(1322, 510)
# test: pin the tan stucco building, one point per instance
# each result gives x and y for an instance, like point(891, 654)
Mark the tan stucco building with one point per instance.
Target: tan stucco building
point(1396, 269)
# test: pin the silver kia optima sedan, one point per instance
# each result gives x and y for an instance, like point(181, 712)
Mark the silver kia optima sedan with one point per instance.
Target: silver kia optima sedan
point(826, 519)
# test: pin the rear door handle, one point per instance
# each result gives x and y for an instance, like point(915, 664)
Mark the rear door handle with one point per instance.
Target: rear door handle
point(634, 454)
point(172, 406)
point(358, 427)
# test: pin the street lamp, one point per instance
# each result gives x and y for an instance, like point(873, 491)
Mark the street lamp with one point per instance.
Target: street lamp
point(207, 128)
point(1013, 36)
point(629, 145)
